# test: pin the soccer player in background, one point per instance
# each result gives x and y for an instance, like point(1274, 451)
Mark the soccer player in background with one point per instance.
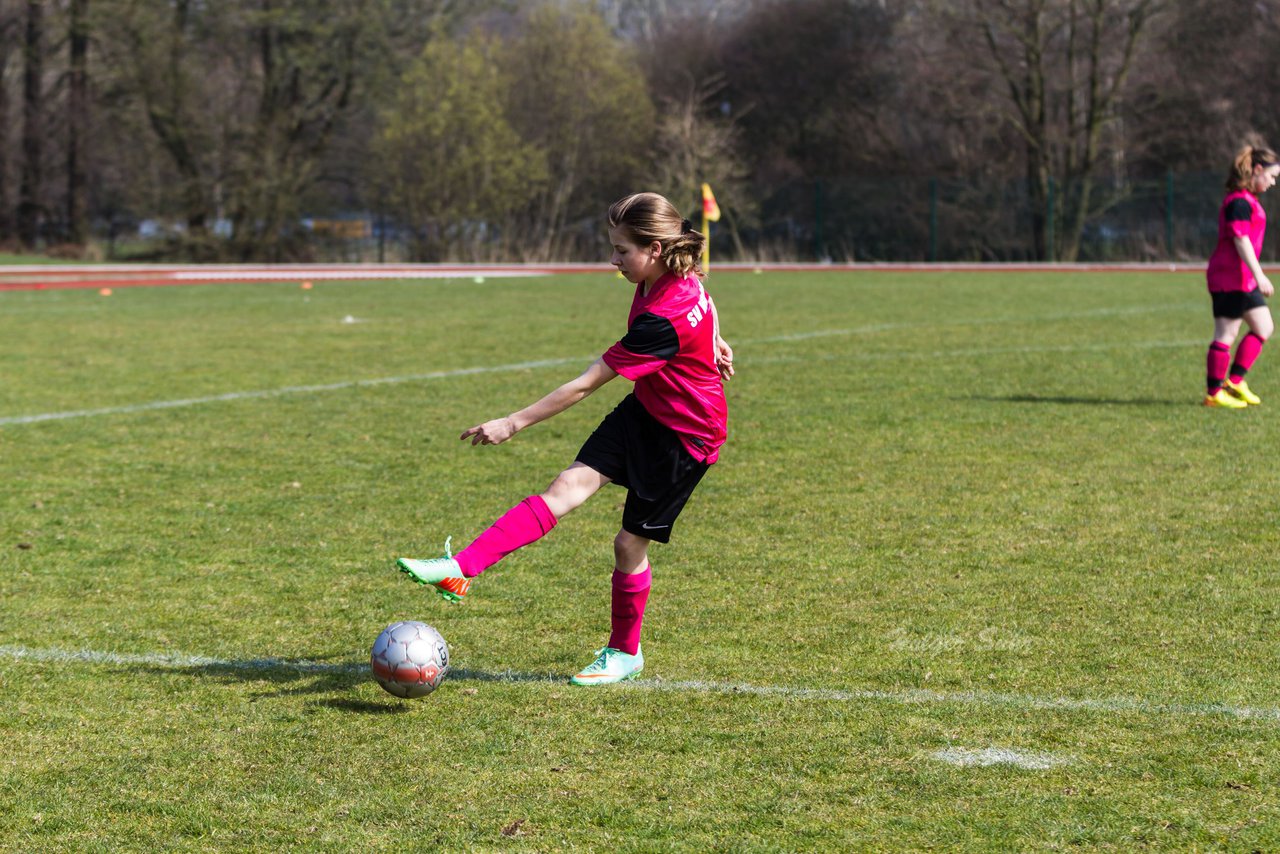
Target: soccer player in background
point(658, 442)
point(1237, 285)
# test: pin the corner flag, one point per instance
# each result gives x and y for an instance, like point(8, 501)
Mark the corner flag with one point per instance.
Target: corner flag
point(710, 214)
point(710, 210)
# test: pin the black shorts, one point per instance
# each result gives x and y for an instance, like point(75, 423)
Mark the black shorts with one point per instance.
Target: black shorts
point(1233, 304)
point(633, 450)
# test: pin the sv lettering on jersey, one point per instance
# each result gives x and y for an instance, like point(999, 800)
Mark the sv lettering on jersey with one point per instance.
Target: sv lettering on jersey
point(699, 311)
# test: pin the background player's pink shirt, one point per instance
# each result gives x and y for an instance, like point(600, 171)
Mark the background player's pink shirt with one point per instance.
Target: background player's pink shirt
point(1240, 216)
point(669, 353)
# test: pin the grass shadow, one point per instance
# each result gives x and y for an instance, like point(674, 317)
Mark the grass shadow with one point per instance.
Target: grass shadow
point(1085, 401)
point(287, 677)
point(366, 707)
point(292, 678)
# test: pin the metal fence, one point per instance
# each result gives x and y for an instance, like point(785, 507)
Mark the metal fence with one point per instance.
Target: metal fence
point(918, 219)
point(902, 219)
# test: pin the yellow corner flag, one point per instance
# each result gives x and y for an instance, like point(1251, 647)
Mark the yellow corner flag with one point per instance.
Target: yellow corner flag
point(710, 214)
point(710, 210)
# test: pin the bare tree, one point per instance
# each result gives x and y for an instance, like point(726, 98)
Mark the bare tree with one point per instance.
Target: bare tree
point(696, 144)
point(304, 58)
point(1207, 88)
point(1063, 65)
point(77, 121)
point(151, 52)
point(29, 208)
point(11, 28)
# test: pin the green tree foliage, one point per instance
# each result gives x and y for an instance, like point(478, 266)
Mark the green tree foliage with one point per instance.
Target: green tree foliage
point(242, 98)
point(305, 59)
point(460, 169)
point(490, 128)
point(578, 95)
point(154, 55)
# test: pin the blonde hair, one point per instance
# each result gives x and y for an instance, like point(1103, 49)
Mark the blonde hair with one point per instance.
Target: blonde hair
point(1247, 159)
point(647, 217)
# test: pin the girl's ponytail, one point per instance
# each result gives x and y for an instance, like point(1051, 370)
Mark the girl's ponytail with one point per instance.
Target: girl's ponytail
point(1246, 159)
point(683, 255)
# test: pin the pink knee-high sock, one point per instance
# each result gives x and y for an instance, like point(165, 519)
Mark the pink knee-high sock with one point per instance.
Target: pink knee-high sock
point(1249, 348)
point(630, 595)
point(1218, 360)
point(528, 521)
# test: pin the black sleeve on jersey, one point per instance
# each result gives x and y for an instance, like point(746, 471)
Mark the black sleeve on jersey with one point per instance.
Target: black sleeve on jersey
point(652, 335)
point(1239, 211)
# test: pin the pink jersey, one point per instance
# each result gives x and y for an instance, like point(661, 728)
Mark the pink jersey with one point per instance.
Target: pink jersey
point(1239, 216)
point(669, 353)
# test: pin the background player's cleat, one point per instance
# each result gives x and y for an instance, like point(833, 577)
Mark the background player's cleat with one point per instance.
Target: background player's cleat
point(611, 665)
point(1241, 391)
point(442, 573)
point(1224, 400)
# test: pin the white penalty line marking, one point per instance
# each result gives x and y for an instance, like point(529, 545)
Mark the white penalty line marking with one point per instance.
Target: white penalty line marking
point(906, 696)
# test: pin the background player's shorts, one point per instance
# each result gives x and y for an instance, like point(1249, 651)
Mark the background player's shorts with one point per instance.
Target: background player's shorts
point(633, 450)
point(1233, 304)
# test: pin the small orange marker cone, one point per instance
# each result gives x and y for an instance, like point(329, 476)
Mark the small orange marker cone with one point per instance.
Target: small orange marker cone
point(106, 292)
point(306, 286)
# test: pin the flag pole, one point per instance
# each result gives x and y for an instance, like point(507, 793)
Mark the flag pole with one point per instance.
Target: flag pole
point(710, 214)
point(706, 243)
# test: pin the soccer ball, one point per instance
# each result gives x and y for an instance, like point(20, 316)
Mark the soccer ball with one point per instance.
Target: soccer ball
point(409, 659)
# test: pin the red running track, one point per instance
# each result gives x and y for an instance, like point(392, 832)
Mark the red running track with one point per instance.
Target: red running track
point(58, 277)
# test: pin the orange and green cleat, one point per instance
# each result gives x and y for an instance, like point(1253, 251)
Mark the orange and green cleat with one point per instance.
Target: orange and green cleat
point(611, 665)
point(1241, 391)
point(1222, 399)
point(442, 573)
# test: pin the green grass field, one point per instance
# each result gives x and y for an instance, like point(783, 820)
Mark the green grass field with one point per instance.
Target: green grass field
point(975, 571)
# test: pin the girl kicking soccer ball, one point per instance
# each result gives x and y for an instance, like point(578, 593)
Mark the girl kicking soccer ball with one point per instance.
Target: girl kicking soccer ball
point(1237, 285)
point(658, 442)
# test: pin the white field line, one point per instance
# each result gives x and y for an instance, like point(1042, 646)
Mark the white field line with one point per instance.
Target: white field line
point(967, 757)
point(287, 390)
point(545, 363)
point(11, 420)
point(258, 274)
point(976, 351)
point(873, 329)
point(906, 696)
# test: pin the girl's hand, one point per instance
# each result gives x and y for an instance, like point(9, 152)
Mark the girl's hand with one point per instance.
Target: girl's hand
point(493, 432)
point(724, 359)
point(1264, 285)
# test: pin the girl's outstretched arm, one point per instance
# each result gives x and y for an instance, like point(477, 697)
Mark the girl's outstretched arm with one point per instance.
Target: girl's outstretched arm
point(499, 430)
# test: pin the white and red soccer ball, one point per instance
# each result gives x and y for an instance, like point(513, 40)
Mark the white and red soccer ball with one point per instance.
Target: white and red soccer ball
point(409, 659)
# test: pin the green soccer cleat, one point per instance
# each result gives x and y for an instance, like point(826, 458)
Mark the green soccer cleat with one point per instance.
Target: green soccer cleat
point(442, 573)
point(611, 665)
point(1241, 391)
point(1221, 399)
